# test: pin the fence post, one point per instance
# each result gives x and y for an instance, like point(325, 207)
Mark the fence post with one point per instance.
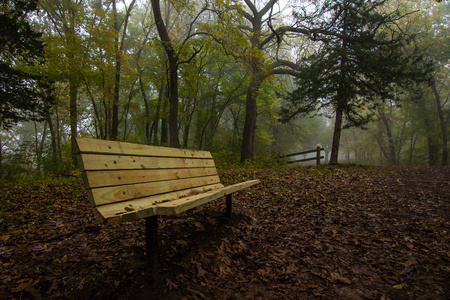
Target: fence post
point(318, 156)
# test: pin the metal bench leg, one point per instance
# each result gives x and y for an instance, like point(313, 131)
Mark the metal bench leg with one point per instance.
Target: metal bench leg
point(151, 239)
point(228, 206)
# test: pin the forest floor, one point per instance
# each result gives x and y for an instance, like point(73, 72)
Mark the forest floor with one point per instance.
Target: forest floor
point(330, 232)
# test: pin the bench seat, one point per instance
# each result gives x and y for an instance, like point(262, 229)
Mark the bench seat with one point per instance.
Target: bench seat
point(127, 181)
point(136, 209)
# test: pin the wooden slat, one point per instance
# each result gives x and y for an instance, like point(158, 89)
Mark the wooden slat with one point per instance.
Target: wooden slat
point(112, 178)
point(121, 148)
point(184, 204)
point(106, 195)
point(144, 207)
point(127, 182)
point(115, 162)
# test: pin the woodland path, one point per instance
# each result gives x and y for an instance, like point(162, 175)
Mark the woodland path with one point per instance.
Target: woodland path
point(303, 233)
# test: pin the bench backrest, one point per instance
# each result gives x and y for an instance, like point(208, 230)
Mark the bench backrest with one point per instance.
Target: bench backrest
point(118, 172)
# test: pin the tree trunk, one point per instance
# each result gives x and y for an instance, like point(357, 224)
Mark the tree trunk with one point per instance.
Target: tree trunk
point(58, 134)
point(432, 143)
point(147, 112)
point(257, 67)
point(73, 85)
point(412, 145)
point(155, 124)
point(341, 95)
point(40, 150)
point(433, 151)
point(186, 135)
point(67, 31)
point(115, 103)
point(173, 102)
point(336, 136)
point(164, 123)
point(172, 57)
point(235, 115)
point(391, 145)
point(118, 49)
point(53, 136)
point(73, 94)
point(443, 127)
point(251, 113)
point(383, 152)
point(198, 128)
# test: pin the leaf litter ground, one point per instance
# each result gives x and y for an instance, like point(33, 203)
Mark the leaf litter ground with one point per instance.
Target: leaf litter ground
point(302, 233)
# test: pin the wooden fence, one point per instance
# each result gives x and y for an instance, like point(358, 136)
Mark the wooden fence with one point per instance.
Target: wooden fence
point(317, 158)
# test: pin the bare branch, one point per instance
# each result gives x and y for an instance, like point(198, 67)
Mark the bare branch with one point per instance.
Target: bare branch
point(284, 67)
point(268, 7)
point(252, 8)
point(196, 51)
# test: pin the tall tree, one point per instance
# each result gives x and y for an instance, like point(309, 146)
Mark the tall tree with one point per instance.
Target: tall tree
point(24, 92)
point(256, 63)
point(435, 42)
point(174, 57)
point(119, 46)
point(432, 37)
point(64, 15)
point(360, 60)
point(260, 44)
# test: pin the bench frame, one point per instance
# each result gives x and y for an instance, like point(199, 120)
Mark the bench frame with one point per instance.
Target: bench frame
point(127, 182)
point(151, 240)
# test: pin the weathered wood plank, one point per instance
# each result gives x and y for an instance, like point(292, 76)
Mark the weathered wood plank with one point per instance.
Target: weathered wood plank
point(106, 195)
point(120, 177)
point(158, 205)
point(184, 204)
point(122, 148)
point(135, 209)
point(127, 182)
point(93, 162)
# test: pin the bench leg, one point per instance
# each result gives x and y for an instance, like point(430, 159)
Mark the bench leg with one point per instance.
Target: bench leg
point(228, 206)
point(151, 239)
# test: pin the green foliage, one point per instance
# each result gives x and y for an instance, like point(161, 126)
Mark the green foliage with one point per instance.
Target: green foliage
point(51, 165)
point(265, 161)
point(81, 56)
point(24, 93)
point(361, 60)
point(17, 165)
point(20, 166)
point(227, 160)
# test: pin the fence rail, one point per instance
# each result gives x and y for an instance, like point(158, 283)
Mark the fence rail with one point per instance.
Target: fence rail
point(317, 158)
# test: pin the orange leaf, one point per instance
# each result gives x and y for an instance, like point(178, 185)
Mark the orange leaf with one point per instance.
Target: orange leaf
point(5, 237)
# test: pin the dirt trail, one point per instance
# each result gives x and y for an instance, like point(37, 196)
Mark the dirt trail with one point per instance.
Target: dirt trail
point(328, 232)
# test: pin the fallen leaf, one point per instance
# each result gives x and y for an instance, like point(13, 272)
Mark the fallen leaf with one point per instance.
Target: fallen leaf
point(171, 285)
point(338, 277)
point(199, 226)
point(5, 237)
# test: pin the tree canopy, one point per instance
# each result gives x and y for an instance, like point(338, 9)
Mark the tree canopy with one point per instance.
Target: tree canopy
point(223, 75)
point(360, 60)
point(24, 93)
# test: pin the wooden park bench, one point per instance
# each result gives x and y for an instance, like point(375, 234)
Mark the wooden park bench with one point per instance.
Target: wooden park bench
point(128, 182)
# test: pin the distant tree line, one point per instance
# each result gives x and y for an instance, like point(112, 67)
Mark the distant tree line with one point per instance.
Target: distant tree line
point(238, 77)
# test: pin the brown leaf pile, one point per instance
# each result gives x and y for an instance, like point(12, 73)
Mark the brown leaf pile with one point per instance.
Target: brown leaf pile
point(302, 233)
